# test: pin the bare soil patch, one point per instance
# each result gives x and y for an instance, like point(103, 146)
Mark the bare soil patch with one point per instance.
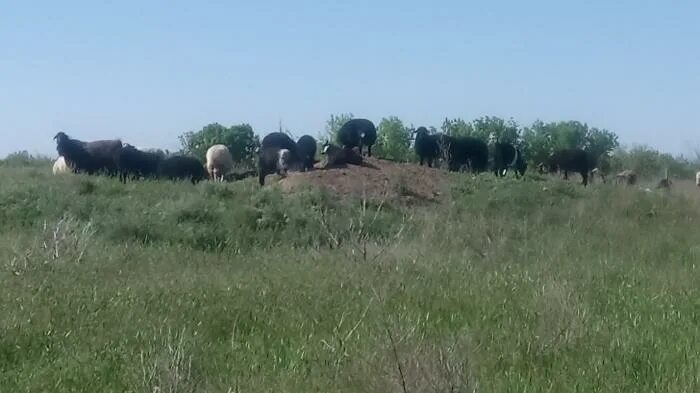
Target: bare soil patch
point(376, 179)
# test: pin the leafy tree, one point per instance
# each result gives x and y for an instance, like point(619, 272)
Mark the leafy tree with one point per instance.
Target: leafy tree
point(542, 138)
point(488, 127)
point(24, 158)
point(537, 141)
point(601, 142)
point(650, 163)
point(457, 127)
point(334, 123)
point(240, 140)
point(394, 140)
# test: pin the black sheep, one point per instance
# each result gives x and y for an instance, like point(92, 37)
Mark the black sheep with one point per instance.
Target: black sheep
point(306, 148)
point(273, 160)
point(89, 157)
point(182, 168)
point(280, 140)
point(133, 162)
point(75, 154)
point(571, 160)
point(465, 151)
point(427, 146)
point(507, 156)
point(358, 133)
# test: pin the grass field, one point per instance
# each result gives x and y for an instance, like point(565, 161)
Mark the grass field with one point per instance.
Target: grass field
point(504, 286)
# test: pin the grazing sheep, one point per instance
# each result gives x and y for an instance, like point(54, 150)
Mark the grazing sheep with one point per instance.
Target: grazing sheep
point(465, 151)
point(306, 148)
point(697, 179)
point(60, 166)
point(507, 156)
point(90, 157)
point(279, 140)
point(219, 162)
point(627, 176)
point(427, 146)
point(273, 160)
point(182, 168)
point(358, 133)
point(132, 162)
point(340, 156)
point(571, 160)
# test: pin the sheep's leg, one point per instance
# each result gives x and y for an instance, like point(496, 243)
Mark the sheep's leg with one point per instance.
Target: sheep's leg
point(369, 151)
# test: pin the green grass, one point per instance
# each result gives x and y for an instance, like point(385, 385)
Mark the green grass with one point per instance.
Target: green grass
point(506, 286)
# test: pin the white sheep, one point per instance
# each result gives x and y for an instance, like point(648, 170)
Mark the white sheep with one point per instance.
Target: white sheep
point(60, 166)
point(697, 179)
point(219, 162)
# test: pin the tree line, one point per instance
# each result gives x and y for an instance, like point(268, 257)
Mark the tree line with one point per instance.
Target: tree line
point(395, 137)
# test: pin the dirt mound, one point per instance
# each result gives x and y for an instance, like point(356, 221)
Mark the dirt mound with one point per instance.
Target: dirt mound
point(376, 179)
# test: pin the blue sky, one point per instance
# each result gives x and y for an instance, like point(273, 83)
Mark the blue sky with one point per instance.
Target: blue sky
point(148, 71)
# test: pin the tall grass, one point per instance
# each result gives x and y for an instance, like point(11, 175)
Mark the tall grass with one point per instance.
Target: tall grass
point(521, 286)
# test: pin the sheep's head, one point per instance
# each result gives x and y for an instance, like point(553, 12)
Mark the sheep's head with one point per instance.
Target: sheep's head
point(61, 137)
point(420, 132)
point(326, 145)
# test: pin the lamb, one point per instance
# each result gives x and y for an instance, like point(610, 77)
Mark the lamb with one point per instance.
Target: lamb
point(627, 176)
point(181, 168)
point(358, 133)
point(507, 156)
point(60, 166)
point(133, 162)
point(340, 156)
point(273, 160)
point(427, 146)
point(90, 157)
point(665, 183)
point(598, 172)
point(219, 162)
point(306, 148)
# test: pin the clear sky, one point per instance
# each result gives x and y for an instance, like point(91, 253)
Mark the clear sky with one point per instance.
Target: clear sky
point(148, 71)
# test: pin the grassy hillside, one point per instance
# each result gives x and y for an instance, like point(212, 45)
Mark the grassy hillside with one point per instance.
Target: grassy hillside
point(503, 286)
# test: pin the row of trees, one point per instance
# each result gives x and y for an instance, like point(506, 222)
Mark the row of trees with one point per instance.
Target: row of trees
point(394, 142)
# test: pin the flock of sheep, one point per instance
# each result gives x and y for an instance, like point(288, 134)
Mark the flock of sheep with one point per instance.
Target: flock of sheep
point(278, 153)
